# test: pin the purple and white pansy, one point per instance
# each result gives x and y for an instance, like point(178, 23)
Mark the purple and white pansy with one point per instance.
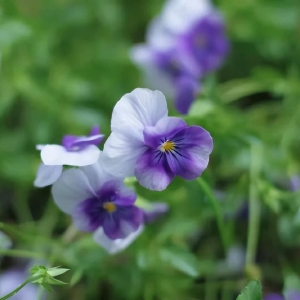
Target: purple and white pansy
point(75, 151)
point(99, 202)
point(185, 42)
point(145, 142)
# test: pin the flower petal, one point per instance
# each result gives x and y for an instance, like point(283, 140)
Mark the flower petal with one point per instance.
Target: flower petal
point(121, 151)
point(187, 89)
point(58, 155)
point(141, 107)
point(192, 154)
point(96, 173)
point(152, 170)
point(118, 193)
point(47, 175)
point(70, 189)
point(122, 222)
point(115, 246)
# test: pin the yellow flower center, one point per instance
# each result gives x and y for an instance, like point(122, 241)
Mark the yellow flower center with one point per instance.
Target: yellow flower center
point(109, 207)
point(167, 146)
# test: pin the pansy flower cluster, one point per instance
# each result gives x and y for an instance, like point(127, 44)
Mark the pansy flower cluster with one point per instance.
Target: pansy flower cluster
point(146, 143)
point(184, 43)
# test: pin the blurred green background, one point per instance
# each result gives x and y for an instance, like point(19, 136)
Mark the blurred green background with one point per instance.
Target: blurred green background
point(65, 63)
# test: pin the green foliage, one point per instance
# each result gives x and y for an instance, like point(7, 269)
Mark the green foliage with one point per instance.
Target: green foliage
point(251, 292)
point(64, 65)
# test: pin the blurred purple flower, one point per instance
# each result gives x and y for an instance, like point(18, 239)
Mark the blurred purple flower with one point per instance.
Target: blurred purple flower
point(295, 183)
point(96, 201)
point(11, 279)
point(155, 211)
point(75, 151)
point(289, 295)
point(145, 142)
point(183, 43)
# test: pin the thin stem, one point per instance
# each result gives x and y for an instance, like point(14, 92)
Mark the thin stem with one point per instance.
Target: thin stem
point(20, 253)
point(218, 214)
point(254, 204)
point(28, 280)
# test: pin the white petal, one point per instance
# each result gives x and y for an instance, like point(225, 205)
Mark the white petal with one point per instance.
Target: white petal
point(114, 246)
point(159, 36)
point(47, 175)
point(39, 147)
point(140, 108)
point(155, 78)
point(121, 152)
point(58, 155)
point(70, 189)
point(96, 173)
point(179, 15)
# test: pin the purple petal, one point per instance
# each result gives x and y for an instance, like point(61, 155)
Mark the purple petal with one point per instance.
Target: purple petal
point(295, 183)
point(114, 246)
point(292, 295)
point(166, 127)
point(273, 297)
point(111, 227)
point(94, 131)
point(187, 89)
point(122, 222)
point(89, 214)
point(116, 192)
point(191, 159)
point(152, 170)
point(77, 143)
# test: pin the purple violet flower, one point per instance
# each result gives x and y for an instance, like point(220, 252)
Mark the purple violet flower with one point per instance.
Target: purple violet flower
point(145, 142)
point(75, 151)
point(183, 43)
point(96, 201)
point(206, 43)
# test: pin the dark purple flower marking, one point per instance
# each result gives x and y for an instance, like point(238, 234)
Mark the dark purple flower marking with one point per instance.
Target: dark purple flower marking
point(77, 143)
point(113, 209)
point(206, 42)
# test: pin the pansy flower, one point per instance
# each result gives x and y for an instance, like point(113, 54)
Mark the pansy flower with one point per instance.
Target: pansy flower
point(74, 151)
point(183, 43)
point(98, 202)
point(206, 43)
point(145, 142)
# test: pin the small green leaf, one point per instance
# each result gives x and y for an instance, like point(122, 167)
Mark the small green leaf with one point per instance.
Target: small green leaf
point(182, 260)
point(54, 281)
point(251, 292)
point(56, 271)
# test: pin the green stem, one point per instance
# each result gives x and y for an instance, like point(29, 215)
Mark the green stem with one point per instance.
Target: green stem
point(218, 214)
point(254, 204)
point(28, 280)
point(20, 253)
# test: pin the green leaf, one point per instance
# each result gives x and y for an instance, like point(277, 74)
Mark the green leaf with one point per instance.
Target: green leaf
point(251, 292)
point(56, 271)
point(181, 260)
